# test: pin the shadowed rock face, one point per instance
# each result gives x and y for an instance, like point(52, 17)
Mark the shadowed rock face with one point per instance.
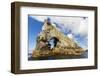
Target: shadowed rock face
point(52, 42)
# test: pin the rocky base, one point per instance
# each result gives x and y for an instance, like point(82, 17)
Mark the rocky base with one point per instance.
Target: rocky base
point(58, 52)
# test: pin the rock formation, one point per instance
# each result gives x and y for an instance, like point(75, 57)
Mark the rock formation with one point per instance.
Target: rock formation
point(51, 42)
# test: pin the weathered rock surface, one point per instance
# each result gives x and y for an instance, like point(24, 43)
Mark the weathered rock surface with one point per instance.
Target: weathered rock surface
point(64, 45)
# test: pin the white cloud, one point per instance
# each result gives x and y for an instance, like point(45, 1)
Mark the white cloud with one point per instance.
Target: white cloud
point(39, 18)
point(78, 25)
point(83, 28)
point(70, 36)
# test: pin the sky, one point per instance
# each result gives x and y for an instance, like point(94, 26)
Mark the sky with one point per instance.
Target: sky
point(34, 27)
point(75, 28)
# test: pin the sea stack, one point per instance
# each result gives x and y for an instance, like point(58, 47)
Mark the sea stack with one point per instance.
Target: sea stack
point(52, 42)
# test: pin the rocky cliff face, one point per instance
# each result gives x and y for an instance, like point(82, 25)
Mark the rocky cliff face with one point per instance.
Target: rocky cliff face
point(51, 42)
